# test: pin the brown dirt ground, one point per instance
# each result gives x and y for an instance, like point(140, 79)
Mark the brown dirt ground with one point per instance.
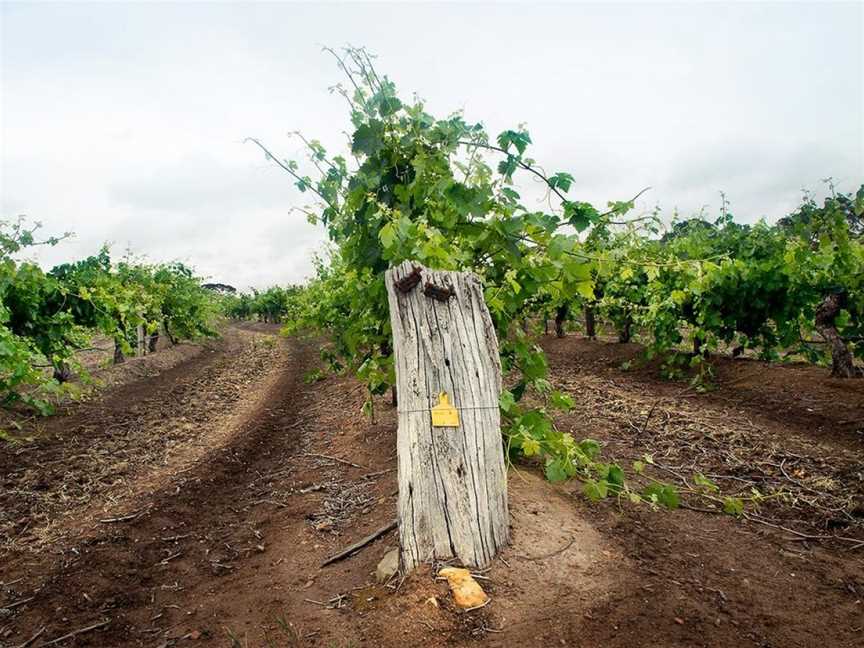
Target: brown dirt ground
point(195, 506)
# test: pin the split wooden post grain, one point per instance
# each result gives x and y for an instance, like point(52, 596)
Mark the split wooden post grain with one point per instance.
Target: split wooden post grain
point(452, 480)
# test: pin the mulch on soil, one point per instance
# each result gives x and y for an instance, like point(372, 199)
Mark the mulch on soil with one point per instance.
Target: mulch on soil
point(807, 478)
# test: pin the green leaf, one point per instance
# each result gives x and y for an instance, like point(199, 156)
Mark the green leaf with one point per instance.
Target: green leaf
point(615, 475)
point(678, 296)
point(388, 106)
point(662, 494)
point(506, 400)
point(585, 290)
point(561, 401)
point(843, 318)
point(561, 181)
point(508, 166)
point(579, 214)
point(595, 490)
point(530, 447)
point(510, 194)
point(387, 235)
point(733, 506)
point(368, 138)
point(589, 447)
point(519, 139)
point(557, 470)
point(510, 276)
point(701, 480)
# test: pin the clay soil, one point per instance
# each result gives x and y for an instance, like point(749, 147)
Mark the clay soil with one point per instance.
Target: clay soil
point(193, 500)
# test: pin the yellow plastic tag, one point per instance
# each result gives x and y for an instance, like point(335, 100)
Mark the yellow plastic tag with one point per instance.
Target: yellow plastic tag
point(444, 414)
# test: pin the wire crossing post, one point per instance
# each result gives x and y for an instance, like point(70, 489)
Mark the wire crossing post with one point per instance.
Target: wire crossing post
point(452, 477)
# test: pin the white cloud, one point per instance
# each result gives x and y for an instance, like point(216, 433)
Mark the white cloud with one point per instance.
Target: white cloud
point(125, 122)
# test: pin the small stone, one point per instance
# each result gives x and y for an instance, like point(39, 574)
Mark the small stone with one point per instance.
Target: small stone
point(388, 567)
point(466, 591)
point(432, 601)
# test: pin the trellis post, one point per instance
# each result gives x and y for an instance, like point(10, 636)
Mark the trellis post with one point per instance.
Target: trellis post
point(452, 477)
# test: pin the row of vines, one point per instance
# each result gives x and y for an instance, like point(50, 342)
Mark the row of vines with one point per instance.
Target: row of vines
point(273, 305)
point(442, 192)
point(47, 319)
point(790, 290)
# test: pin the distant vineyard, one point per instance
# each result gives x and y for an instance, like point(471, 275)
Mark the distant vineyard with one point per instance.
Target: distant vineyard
point(792, 289)
point(274, 305)
point(48, 318)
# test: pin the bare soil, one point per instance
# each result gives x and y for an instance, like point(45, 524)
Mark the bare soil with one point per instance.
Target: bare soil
point(193, 505)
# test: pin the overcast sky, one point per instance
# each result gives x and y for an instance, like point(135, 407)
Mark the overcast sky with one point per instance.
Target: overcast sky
point(124, 122)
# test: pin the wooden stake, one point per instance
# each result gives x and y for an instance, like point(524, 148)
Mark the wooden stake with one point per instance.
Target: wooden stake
point(452, 478)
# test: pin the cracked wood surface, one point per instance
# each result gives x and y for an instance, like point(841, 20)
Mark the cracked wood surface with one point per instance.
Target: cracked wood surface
point(452, 481)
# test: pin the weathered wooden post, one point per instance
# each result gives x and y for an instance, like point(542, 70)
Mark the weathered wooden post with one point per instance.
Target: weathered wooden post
point(452, 478)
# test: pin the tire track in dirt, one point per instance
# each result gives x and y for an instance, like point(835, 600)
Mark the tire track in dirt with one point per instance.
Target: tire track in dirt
point(106, 572)
point(94, 456)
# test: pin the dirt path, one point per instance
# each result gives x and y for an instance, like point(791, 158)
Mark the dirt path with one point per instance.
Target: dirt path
point(790, 575)
point(98, 455)
point(240, 479)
